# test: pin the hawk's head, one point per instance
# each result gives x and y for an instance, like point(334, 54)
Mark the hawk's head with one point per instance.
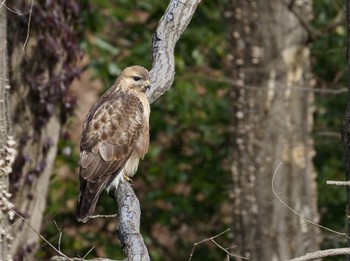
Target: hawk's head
point(135, 78)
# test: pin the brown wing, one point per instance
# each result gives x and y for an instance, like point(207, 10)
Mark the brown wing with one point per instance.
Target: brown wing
point(108, 139)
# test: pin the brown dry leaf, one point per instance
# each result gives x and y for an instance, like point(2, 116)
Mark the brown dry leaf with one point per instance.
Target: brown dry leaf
point(138, 17)
point(164, 237)
point(182, 189)
point(201, 90)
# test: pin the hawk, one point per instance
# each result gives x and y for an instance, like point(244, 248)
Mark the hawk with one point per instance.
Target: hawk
point(115, 137)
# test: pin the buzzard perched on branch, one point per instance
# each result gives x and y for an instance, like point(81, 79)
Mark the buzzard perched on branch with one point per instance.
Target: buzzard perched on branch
point(115, 136)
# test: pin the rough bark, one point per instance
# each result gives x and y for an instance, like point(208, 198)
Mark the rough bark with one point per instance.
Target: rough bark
point(171, 26)
point(34, 186)
point(129, 223)
point(5, 165)
point(41, 69)
point(271, 123)
point(36, 149)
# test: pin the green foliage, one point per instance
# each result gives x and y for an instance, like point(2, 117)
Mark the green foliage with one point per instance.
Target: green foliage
point(329, 53)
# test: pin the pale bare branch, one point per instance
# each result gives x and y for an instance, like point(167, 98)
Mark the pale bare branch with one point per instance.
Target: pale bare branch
point(40, 235)
point(217, 244)
point(28, 25)
point(338, 183)
point(322, 254)
point(103, 216)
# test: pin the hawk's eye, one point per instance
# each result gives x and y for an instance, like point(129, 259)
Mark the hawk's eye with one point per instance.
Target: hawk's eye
point(136, 78)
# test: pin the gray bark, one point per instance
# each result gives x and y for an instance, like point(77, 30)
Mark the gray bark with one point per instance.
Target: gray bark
point(129, 223)
point(37, 146)
point(171, 26)
point(272, 124)
point(7, 152)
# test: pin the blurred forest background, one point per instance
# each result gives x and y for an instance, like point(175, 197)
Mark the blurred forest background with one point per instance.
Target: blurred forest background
point(186, 184)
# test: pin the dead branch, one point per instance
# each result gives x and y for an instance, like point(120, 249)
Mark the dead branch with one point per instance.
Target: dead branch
point(60, 258)
point(171, 26)
point(129, 223)
point(338, 183)
point(212, 239)
point(322, 254)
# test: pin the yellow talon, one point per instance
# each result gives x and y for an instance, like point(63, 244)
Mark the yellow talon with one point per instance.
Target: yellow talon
point(127, 178)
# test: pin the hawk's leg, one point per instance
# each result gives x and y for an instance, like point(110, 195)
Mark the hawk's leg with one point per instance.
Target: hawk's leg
point(127, 178)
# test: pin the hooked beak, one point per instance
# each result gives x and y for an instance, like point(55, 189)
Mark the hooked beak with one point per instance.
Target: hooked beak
point(147, 85)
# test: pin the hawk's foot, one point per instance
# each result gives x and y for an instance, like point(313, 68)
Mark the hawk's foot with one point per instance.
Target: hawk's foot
point(127, 178)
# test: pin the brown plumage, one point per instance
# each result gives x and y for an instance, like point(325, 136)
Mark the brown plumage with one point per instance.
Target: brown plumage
point(115, 136)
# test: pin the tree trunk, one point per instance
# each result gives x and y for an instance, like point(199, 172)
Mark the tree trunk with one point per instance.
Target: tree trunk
point(6, 143)
point(272, 122)
point(42, 67)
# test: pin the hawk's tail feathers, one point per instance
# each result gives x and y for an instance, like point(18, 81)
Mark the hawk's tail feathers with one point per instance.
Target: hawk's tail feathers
point(88, 197)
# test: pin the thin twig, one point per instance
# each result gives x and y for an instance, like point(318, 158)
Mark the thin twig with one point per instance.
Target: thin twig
point(11, 10)
point(12, 225)
point(103, 216)
point(226, 251)
point(212, 240)
point(28, 28)
point(41, 236)
point(295, 212)
point(88, 252)
point(60, 235)
point(338, 183)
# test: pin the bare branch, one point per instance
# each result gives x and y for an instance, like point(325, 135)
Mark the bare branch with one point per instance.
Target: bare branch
point(217, 244)
point(3, 4)
point(41, 236)
point(60, 236)
point(338, 183)
point(60, 258)
point(322, 254)
point(88, 252)
point(28, 26)
point(129, 222)
point(170, 28)
point(103, 216)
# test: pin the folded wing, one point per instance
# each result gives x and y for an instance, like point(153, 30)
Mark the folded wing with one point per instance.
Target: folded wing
point(108, 139)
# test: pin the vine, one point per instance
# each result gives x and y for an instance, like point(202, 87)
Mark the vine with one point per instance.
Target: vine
point(42, 70)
